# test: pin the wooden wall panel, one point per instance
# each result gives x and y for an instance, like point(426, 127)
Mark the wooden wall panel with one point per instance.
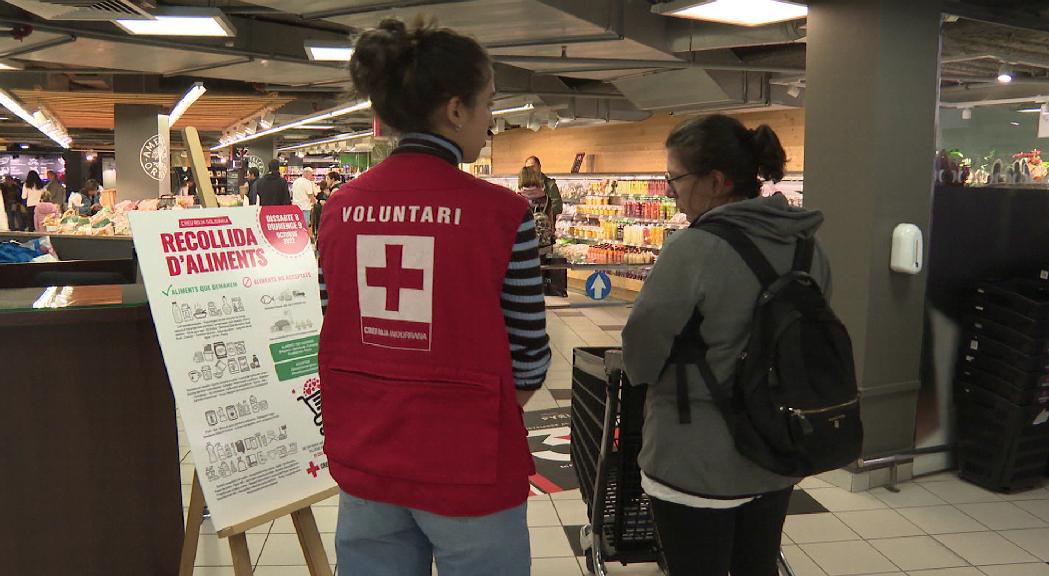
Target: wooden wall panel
point(628, 147)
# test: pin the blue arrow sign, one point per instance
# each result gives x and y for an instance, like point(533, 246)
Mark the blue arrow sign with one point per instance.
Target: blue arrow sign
point(598, 286)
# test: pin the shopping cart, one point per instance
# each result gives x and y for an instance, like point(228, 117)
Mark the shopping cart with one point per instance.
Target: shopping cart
point(606, 420)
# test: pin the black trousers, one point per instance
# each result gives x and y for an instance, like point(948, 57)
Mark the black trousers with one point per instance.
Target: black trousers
point(706, 542)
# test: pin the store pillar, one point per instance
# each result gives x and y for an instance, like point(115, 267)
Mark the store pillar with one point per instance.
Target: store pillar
point(872, 86)
point(260, 152)
point(140, 163)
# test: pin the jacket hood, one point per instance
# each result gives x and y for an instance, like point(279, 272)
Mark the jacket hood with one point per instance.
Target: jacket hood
point(771, 218)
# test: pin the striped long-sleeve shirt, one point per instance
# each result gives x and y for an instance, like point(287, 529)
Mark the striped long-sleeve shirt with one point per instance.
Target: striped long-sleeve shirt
point(524, 310)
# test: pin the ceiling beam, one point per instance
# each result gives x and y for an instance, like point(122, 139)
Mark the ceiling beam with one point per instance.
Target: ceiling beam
point(380, 7)
point(1010, 19)
point(602, 64)
point(83, 32)
point(22, 50)
point(608, 36)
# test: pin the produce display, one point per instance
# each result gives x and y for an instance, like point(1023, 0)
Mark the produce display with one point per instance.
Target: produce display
point(113, 221)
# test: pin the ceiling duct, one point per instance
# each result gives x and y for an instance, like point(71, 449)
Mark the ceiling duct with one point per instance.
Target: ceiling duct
point(693, 89)
point(87, 10)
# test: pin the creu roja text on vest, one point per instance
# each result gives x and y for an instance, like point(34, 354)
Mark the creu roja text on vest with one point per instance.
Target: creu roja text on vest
point(403, 213)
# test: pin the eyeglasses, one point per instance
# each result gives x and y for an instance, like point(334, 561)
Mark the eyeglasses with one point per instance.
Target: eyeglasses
point(670, 181)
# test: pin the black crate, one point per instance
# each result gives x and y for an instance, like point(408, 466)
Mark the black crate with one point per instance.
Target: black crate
point(1002, 446)
point(1027, 326)
point(1019, 342)
point(1008, 372)
point(1028, 298)
point(977, 343)
point(972, 376)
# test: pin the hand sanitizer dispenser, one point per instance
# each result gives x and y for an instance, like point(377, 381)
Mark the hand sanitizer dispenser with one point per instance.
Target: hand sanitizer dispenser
point(906, 249)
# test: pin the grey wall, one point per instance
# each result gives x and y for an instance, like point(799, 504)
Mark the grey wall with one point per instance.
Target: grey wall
point(871, 100)
point(134, 126)
point(989, 129)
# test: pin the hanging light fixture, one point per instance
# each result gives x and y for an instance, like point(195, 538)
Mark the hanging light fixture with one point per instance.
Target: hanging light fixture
point(1005, 73)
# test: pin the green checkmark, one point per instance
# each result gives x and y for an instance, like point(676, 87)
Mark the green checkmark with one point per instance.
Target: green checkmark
point(168, 291)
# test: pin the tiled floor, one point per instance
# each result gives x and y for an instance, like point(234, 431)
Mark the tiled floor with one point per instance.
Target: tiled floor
point(935, 526)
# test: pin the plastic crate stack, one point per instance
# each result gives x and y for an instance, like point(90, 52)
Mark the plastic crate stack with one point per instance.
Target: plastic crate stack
point(1002, 383)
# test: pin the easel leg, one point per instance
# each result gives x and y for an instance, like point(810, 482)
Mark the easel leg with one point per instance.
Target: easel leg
point(238, 546)
point(193, 519)
point(310, 540)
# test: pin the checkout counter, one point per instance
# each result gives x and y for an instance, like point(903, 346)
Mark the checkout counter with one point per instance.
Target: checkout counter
point(90, 447)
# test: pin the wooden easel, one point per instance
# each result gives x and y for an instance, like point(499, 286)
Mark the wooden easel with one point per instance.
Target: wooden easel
point(301, 516)
point(300, 512)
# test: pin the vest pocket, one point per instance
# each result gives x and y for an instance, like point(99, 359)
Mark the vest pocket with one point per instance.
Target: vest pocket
point(437, 430)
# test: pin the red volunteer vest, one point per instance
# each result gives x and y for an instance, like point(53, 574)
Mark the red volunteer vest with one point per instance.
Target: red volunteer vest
point(419, 400)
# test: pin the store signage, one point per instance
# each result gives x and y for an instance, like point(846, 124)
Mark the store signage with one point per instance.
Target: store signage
point(598, 286)
point(236, 304)
point(578, 162)
point(153, 158)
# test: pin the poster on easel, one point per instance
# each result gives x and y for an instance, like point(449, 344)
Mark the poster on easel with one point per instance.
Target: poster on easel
point(236, 304)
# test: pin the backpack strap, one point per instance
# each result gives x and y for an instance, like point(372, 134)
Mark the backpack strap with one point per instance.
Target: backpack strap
point(690, 349)
point(746, 249)
point(803, 254)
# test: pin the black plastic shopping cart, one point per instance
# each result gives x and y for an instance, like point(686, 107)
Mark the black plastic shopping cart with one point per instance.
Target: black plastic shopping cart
point(607, 416)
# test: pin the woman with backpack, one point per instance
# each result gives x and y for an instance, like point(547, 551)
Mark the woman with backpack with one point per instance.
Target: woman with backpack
point(716, 510)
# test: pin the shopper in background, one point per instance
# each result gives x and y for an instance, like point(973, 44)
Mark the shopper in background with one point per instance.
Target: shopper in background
point(304, 192)
point(436, 328)
point(273, 188)
point(44, 209)
point(89, 200)
point(12, 195)
point(31, 191)
point(716, 511)
point(253, 179)
point(553, 193)
point(58, 191)
point(530, 185)
point(334, 181)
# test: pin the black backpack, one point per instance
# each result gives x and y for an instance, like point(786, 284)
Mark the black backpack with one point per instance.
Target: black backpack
point(794, 407)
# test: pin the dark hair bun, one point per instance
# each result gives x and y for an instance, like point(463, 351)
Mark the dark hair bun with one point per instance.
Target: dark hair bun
point(408, 73)
point(769, 153)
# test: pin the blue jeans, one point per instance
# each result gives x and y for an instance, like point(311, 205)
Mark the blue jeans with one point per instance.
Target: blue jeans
point(377, 539)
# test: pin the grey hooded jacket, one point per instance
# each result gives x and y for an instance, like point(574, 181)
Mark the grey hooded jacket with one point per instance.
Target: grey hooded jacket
point(698, 269)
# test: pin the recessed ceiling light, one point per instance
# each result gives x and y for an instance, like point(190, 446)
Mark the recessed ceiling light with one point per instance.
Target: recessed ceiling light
point(1014, 123)
point(738, 12)
point(181, 22)
point(24, 146)
point(329, 51)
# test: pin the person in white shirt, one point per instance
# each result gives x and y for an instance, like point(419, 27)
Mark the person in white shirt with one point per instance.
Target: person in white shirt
point(31, 192)
point(304, 193)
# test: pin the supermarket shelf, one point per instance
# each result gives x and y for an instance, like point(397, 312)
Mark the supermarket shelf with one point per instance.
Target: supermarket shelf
point(622, 288)
point(630, 220)
point(606, 241)
point(588, 266)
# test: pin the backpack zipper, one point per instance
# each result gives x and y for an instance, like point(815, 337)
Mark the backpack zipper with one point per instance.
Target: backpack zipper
point(806, 426)
point(802, 413)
